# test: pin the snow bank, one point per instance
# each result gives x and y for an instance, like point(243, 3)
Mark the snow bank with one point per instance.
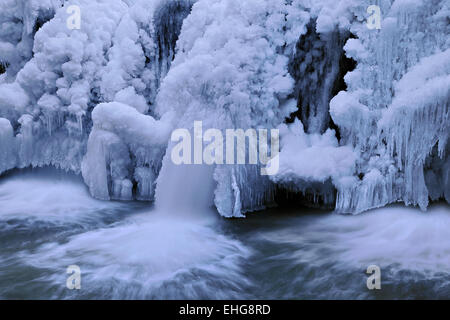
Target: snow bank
point(311, 158)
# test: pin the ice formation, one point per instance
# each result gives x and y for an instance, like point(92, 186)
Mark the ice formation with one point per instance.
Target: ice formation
point(397, 107)
point(363, 113)
point(119, 55)
point(122, 138)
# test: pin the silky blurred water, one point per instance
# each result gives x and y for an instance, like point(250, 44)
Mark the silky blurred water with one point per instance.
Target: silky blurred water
point(48, 221)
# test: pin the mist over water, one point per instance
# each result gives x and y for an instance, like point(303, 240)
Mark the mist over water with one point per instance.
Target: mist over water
point(132, 250)
point(327, 255)
point(49, 195)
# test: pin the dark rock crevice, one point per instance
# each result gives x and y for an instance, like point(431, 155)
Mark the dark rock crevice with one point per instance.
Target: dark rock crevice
point(316, 195)
point(2, 68)
point(318, 66)
point(437, 174)
point(168, 20)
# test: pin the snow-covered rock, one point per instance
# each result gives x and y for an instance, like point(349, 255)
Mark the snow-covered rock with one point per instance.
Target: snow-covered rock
point(124, 146)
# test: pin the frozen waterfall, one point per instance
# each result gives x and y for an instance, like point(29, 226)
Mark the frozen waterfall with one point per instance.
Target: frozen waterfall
point(363, 114)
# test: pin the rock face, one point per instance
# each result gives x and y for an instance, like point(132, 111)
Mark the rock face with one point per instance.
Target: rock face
point(363, 113)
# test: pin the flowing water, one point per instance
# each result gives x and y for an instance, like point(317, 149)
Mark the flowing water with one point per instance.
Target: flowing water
point(48, 221)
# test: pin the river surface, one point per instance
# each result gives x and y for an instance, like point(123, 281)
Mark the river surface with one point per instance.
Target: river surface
point(130, 251)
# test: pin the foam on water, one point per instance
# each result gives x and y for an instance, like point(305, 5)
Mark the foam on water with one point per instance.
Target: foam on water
point(48, 195)
point(175, 251)
point(147, 255)
point(181, 249)
point(398, 237)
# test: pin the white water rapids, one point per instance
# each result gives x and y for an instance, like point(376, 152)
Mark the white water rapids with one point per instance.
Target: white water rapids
point(128, 251)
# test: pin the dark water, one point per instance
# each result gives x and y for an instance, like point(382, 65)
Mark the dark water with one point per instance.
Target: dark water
point(130, 251)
